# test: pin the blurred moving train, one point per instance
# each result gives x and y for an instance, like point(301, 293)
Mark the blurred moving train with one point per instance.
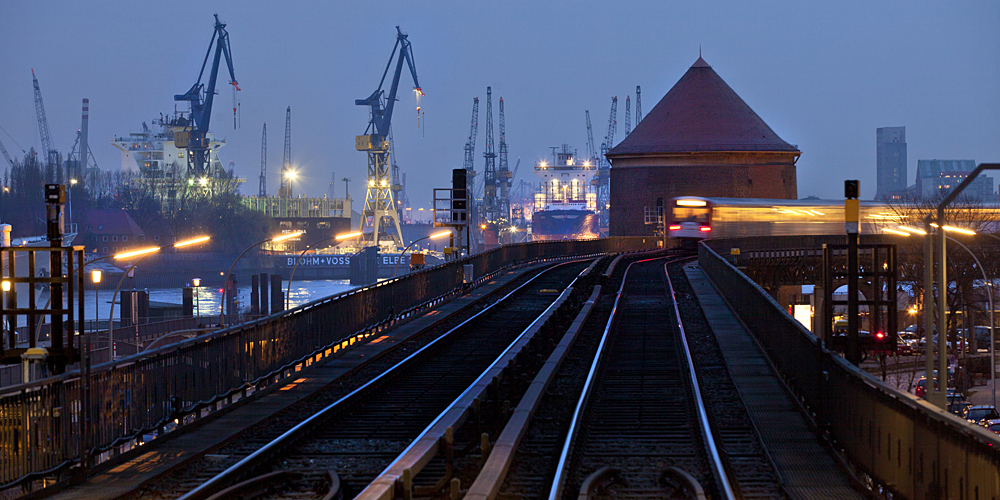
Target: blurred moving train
point(694, 218)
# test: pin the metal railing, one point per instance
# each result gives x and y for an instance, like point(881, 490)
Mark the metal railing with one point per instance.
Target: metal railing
point(902, 444)
point(49, 425)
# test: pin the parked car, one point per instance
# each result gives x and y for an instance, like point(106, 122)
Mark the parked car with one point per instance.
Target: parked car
point(958, 407)
point(921, 389)
point(980, 413)
point(992, 425)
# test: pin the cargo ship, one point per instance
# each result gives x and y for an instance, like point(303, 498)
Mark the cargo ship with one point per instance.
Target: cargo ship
point(565, 202)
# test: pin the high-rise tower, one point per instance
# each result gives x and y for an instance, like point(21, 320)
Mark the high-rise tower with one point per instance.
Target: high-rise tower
point(890, 157)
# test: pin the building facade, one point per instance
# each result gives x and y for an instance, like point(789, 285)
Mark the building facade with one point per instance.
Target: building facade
point(938, 177)
point(890, 162)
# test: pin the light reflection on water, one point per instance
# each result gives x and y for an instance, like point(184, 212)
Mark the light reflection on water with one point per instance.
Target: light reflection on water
point(208, 299)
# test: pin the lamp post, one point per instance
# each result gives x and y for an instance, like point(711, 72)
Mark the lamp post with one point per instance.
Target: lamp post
point(989, 294)
point(225, 286)
point(197, 284)
point(143, 252)
point(432, 237)
point(95, 276)
point(5, 286)
point(339, 237)
point(942, 266)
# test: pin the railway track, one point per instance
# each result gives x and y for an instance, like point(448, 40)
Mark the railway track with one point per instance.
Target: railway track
point(352, 439)
point(640, 427)
point(637, 420)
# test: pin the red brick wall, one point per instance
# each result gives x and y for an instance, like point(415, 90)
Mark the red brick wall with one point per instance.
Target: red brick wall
point(634, 188)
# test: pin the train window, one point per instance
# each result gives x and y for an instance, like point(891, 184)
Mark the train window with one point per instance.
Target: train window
point(691, 214)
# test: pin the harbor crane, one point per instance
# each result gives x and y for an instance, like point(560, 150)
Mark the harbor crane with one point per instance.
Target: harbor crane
point(193, 137)
point(604, 167)
point(504, 175)
point(380, 209)
point(628, 116)
point(6, 154)
point(262, 190)
point(44, 134)
point(591, 148)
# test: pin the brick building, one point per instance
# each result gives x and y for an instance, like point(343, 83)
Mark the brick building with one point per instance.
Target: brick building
point(701, 139)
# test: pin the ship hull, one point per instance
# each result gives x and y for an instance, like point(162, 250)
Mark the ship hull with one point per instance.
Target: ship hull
point(564, 225)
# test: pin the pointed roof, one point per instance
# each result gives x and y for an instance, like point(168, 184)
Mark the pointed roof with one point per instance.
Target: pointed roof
point(701, 113)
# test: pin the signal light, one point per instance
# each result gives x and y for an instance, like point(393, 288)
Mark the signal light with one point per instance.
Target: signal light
point(879, 335)
point(675, 228)
point(706, 229)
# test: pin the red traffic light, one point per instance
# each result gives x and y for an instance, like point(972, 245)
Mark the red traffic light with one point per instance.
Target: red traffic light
point(879, 335)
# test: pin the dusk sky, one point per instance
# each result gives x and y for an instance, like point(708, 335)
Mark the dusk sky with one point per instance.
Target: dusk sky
point(823, 75)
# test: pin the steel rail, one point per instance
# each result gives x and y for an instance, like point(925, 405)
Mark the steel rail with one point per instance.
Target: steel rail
point(706, 428)
point(387, 478)
point(220, 480)
point(559, 479)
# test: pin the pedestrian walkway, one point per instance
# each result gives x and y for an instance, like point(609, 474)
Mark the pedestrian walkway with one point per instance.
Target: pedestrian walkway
point(807, 469)
point(172, 453)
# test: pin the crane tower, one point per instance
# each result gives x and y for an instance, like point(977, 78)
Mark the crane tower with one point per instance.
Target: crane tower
point(490, 169)
point(44, 135)
point(604, 168)
point(263, 162)
point(628, 117)
point(287, 175)
point(638, 105)
point(503, 177)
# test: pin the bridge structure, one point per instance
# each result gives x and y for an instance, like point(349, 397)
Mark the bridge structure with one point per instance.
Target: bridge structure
point(60, 430)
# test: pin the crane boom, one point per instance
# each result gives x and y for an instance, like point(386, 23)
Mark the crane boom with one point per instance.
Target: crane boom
point(192, 137)
point(591, 147)
point(612, 125)
point(382, 117)
point(43, 131)
point(470, 145)
point(6, 154)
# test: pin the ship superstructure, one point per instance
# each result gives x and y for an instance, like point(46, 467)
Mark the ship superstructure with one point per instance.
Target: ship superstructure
point(163, 167)
point(565, 201)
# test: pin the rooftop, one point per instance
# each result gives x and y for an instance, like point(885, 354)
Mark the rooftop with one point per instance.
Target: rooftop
point(701, 113)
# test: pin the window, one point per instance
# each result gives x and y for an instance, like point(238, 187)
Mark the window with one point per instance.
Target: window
point(105, 248)
point(124, 237)
point(285, 224)
point(114, 238)
point(105, 239)
point(156, 237)
point(323, 225)
point(302, 224)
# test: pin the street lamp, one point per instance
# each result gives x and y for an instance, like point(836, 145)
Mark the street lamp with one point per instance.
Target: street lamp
point(432, 237)
point(225, 286)
point(339, 237)
point(95, 277)
point(142, 254)
point(197, 284)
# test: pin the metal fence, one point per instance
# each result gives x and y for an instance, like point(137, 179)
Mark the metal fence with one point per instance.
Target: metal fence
point(901, 443)
point(48, 425)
